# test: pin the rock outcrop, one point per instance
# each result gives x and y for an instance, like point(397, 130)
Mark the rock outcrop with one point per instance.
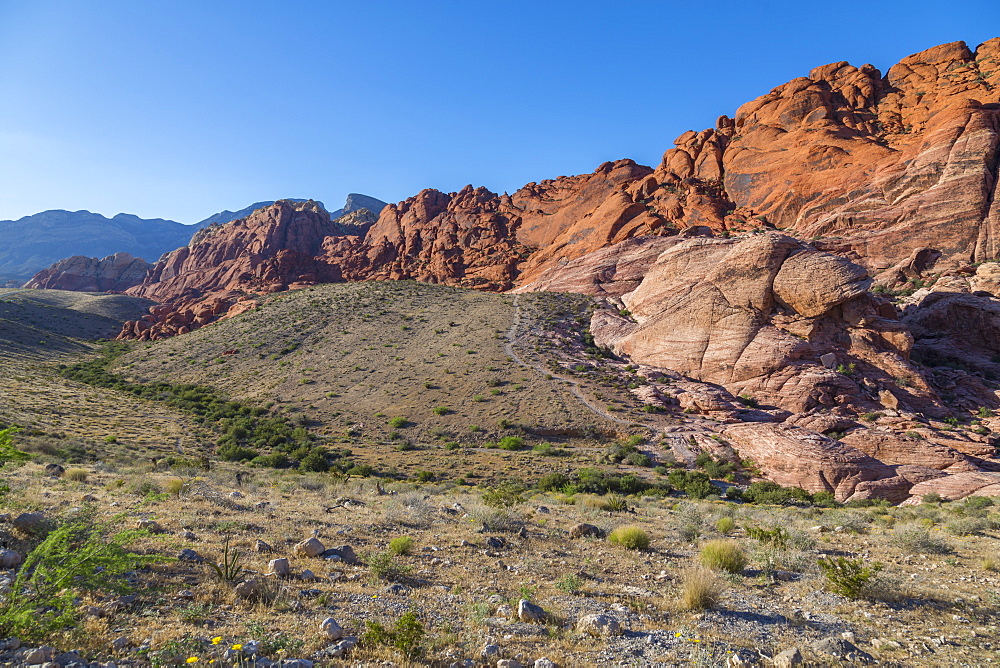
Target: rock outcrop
point(114, 273)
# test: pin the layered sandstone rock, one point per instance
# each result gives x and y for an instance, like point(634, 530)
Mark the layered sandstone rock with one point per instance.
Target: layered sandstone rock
point(757, 315)
point(114, 273)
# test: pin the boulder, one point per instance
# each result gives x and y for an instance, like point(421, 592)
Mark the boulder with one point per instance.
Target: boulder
point(529, 612)
point(582, 529)
point(311, 547)
point(599, 626)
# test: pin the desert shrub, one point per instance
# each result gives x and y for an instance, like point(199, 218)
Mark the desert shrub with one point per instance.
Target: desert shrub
point(401, 545)
point(616, 504)
point(397, 422)
point(700, 589)
point(723, 555)
point(931, 497)
point(968, 526)
point(548, 450)
point(405, 635)
point(851, 521)
point(386, 566)
point(278, 460)
point(78, 556)
point(174, 486)
point(569, 583)
point(494, 519)
point(725, 525)
point(714, 468)
point(511, 443)
point(552, 482)
point(771, 493)
point(627, 451)
point(409, 509)
point(505, 495)
point(233, 452)
point(441, 410)
point(695, 484)
point(630, 537)
point(916, 539)
point(144, 487)
point(424, 476)
point(228, 568)
point(314, 462)
point(852, 578)
point(8, 453)
point(777, 536)
point(76, 475)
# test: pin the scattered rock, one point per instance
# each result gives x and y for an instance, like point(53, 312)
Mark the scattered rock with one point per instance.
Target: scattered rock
point(509, 663)
point(343, 553)
point(41, 654)
point(190, 555)
point(54, 470)
point(583, 529)
point(187, 535)
point(545, 663)
point(397, 589)
point(185, 595)
point(841, 649)
point(331, 629)
point(121, 643)
point(10, 559)
point(261, 546)
point(489, 651)
point(338, 650)
point(279, 567)
point(311, 547)
point(29, 522)
point(599, 626)
point(152, 526)
point(249, 590)
point(495, 542)
point(788, 658)
point(529, 612)
point(307, 575)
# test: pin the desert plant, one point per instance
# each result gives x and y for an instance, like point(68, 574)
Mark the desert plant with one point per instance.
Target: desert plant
point(511, 443)
point(700, 589)
point(8, 453)
point(777, 536)
point(616, 503)
point(228, 568)
point(916, 539)
point(569, 583)
point(967, 526)
point(397, 422)
point(852, 578)
point(441, 410)
point(723, 555)
point(931, 497)
point(630, 537)
point(76, 475)
point(505, 495)
point(80, 555)
point(401, 545)
point(725, 525)
point(405, 635)
point(385, 566)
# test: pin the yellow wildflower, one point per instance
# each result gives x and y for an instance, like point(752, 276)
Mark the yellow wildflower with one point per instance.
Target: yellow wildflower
point(237, 647)
point(192, 659)
point(216, 640)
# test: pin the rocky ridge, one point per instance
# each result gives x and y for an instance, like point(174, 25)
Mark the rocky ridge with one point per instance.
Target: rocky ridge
point(114, 273)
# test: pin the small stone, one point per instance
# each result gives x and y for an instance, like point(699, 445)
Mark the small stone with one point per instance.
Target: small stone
point(41, 654)
point(190, 555)
point(495, 542)
point(261, 546)
point(151, 526)
point(466, 543)
point(599, 626)
point(489, 651)
point(186, 535)
point(296, 663)
point(545, 663)
point(10, 559)
point(829, 360)
point(279, 567)
point(184, 594)
point(29, 523)
point(120, 643)
point(235, 495)
point(331, 628)
point(307, 575)
point(342, 648)
point(310, 593)
point(54, 470)
point(509, 663)
point(819, 528)
point(249, 589)
point(347, 554)
point(397, 589)
point(529, 612)
point(582, 529)
point(545, 511)
point(311, 547)
point(788, 658)
point(88, 498)
point(504, 611)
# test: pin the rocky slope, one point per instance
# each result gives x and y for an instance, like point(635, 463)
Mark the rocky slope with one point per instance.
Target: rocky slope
point(114, 273)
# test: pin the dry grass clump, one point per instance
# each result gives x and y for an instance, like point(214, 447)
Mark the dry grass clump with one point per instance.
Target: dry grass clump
point(174, 486)
point(917, 539)
point(723, 555)
point(700, 589)
point(630, 537)
point(725, 525)
point(409, 509)
point(76, 475)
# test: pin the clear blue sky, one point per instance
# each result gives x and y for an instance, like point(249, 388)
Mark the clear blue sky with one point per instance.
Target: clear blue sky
point(179, 109)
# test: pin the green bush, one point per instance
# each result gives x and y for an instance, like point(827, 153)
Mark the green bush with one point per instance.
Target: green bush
point(398, 422)
point(314, 462)
point(776, 536)
point(8, 453)
point(552, 482)
point(725, 525)
point(79, 556)
point(401, 546)
point(569, 583)
point(916, 539)
point(385, 566)
point(695, 484)
point(723, 555)
point(424, 476)
point(440, 410)
point(853, 578)
point(406, 635)
point(630, 537)
point(511, 443)
point(505, 495)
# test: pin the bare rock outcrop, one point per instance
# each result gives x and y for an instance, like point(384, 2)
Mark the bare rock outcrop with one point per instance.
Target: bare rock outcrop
point(114, 273)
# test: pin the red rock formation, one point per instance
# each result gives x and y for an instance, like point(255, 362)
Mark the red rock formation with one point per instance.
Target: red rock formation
point(114, 273)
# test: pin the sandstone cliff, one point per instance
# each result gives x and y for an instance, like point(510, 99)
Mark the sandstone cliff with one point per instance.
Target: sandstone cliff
point(114, 273)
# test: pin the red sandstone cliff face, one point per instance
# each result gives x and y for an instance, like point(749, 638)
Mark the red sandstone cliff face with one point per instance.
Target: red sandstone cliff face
point(114, 273)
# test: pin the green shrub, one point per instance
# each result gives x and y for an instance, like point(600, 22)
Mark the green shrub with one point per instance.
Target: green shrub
point(723, 555)
point(401, 546)
point(385, 566)
point(552, 482)
point(853, 578)
point(616, 504)
point(505, 495)
point(569, 583)
point(767, 492)
point(79, 556)
point(931, 497)
point(725, 525)
point(916, 539)
point(968, 526)
point(630, 537)
point(441, 410)
point(776, 536)
point(314, 462)
point(423, 476)
point(232, 452)
point(405, 635)
point(278, 460)
point(695, 484)
point(511, 443)
point(398, 422)
point(8, 453)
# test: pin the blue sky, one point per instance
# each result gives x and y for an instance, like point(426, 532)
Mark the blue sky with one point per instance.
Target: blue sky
point(180, 109)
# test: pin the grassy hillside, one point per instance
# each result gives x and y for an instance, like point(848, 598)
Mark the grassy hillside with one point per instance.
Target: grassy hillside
point(412, 376)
